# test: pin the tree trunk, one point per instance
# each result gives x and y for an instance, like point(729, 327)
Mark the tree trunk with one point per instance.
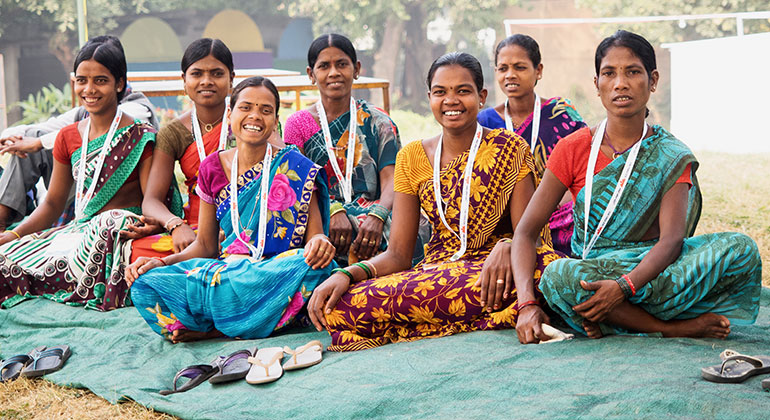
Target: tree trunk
point(386, 58)
point(60, 46)
point(416, 45)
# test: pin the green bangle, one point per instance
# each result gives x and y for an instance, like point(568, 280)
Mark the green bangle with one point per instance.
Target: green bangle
point(345, 272)
point(336, 207)
point(366, 269)
point(379, 211)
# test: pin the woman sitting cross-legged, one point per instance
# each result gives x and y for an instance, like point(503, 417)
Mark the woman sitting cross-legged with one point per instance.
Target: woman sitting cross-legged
point(473, 183)
point(270, 203)
point(637, 202)
point(107, 156)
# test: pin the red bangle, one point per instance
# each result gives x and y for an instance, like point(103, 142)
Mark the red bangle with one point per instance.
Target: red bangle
point(631, 285)
point(527, 303)
point(159, 259)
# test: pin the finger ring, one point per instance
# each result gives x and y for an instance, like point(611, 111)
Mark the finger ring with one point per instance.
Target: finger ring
point(342, 237)
point(327, 253)
point(500, 281)
point(364, 241)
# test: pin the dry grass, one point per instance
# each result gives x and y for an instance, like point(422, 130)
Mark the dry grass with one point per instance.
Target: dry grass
point(26, 399)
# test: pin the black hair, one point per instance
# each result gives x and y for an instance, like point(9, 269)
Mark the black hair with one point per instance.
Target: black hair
point(330, 40)
point(101, 39)
point(636, 43)
point(256, 81)
point(524, 41)
point(107, 54)
point(461, 59)
point(202, 48)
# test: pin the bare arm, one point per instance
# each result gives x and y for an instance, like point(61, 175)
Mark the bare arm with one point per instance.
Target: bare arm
point(523, 255)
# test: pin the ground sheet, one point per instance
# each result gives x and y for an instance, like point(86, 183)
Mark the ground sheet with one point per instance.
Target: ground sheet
point(473, 375)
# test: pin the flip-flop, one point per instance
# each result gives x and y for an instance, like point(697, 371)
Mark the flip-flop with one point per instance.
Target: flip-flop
point(198, 374)
point(46, 361)
point(554, 334)
point(302, 357)
point(233, 367)
point(265, 366)
point(766, 384)
point(736, 367)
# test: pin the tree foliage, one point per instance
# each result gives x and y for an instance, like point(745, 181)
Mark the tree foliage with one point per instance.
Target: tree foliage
point(661, 32)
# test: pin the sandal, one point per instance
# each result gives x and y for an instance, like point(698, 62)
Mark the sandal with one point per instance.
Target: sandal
point(736, 367)
point(46, 361)
point(766, 384)
point(197, 374)
point(302, 357)
point(233, 367)
point(11, 368)
point(265, 366)
point(554, 334)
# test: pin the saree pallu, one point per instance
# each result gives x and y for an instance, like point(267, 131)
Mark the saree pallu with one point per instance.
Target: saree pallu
point(162, 245)
point(558, 119)
point(376, 145)
point(82, 262)
point(244, 298)
point(719, 272)
point(438, 297)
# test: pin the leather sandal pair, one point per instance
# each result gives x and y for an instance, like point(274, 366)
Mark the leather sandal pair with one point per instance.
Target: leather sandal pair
point(223, 369)
point(736, 368)
point(38, 362)
point(266, 366)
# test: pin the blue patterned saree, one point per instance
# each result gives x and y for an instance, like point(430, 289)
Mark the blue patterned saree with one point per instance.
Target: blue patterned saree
point(719, 273)
point(240, 297)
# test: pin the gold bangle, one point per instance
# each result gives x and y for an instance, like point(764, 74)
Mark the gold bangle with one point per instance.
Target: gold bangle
point(15, 233)
point(340, 210)
point(373, 214)
point(370, 265)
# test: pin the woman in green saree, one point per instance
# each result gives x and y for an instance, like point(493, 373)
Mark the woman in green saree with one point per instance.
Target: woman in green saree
point(640, 270)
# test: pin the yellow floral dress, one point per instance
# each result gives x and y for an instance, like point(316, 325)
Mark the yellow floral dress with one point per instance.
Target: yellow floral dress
point(438, 297)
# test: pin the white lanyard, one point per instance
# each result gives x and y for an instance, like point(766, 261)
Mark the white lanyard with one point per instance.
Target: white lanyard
point(83, 197)
point(346, 181)
point(465, 202)
point(223, 131)
point(621, 185)
point(235, 217)
point(535, 122)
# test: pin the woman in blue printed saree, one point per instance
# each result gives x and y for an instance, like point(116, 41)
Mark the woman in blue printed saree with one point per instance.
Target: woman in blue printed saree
point(82, 263)
point(265, 276)
point(641, 270)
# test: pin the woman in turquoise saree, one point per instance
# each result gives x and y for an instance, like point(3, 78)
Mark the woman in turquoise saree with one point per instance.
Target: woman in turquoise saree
point(273, 203)
point(637, 204)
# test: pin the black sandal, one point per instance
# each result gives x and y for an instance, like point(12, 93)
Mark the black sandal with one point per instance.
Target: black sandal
point(197, 374)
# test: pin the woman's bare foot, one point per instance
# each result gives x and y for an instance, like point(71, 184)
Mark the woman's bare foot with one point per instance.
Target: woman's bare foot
point(592, 329)
point(704, 326)
point(184, 335)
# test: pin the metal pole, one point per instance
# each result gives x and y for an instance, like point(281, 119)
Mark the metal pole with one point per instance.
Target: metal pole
point(82, 31)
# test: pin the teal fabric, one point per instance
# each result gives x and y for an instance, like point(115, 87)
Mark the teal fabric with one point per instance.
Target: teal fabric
point(477, 375)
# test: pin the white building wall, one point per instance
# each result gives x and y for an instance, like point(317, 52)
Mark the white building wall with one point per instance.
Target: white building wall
point(720, 93)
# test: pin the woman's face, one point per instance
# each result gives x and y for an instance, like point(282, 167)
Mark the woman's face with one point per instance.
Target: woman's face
point(207, 82)
point(97, 88)
point(253, 118)
point(515, 72)
point(454, 99)
point(334, 73)
point(623, 84)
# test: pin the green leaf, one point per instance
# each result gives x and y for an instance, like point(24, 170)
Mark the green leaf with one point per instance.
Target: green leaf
point(292, 175)
point(288, 216)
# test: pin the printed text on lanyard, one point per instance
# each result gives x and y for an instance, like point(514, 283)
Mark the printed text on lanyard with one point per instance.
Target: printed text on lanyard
point(83, 197)
point(346, 181)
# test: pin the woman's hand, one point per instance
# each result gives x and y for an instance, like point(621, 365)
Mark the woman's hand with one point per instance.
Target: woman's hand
point(6, 237)
point(182, 236)
point(606, 297)
point(325, 298)
point(341, 232)
point(20, 146)
point(139, 267)
point(319, 252)
point(528, 325)
point(146, 226)
point(369, 238)
point(496, 277)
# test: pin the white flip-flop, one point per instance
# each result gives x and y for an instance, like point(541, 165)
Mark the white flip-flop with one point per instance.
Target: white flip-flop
point(265, 366)
point(554, 334)
point(304, 356)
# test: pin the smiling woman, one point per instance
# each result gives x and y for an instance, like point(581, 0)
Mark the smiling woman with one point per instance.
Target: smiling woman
point(356, 144)
point(473, 183)
point(269, 202)
point(107, 156)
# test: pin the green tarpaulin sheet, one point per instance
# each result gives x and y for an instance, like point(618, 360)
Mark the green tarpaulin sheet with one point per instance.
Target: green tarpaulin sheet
point(473, 375)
